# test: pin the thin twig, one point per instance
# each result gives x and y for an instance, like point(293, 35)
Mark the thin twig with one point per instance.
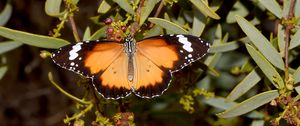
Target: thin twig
point(288, 28)
point(74, 28)
point(138, 11)
point(158, 11)
point(135, 25)
point(71, 9)
point(65, 92)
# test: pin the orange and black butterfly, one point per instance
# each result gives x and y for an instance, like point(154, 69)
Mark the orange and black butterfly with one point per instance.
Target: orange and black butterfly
point(144, 68)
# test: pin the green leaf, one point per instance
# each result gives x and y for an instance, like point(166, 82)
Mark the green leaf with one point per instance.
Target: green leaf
point(273, 7)
point(176, 29)
point(266, 67)
point(147, 9)
point(205, 9)
point(245, 85)
point(238, 9)
point(104, 6)
point(263, 45)
point(99, 33)
point(87, 34)
point(3, 70)
point(295, 40)
point(52, 8)
point(154, 31)
point(286, 8)
point(230, 46)
point(249, 104)
point(124, 4)
point(199, 22)
point(297, 89)
point(297, 9)
point(32, 39)
point(9, 45)
point(5, 14)
point(218, 35)
point(258, 123)
point(280, 36)
point(212, 60)
point(297, 75)
point(221, 103)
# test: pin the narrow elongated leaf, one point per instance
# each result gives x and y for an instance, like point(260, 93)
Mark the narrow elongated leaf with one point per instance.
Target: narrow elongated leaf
point(199, 22)
point(213, 59)
point(52, 8)
point(154, 31)
point(5, 14)
point(286, 8)
point(249, 104)
point(124, 4)
point(3, 70)
point(297, 75)
point(104, 6)
point(266, 67)
point(297, 89)
point(245, 85)
point(147, 9)
point(295, 40)
point(9, 45)
point(273, 7)
point(221, 103)
point(280, 36)
point(176, 29)
point(99, 33)
point(225, 47)
point(87, 34)
point(258, 123)
point(297, 9)
point(263, 45)
point(205, 9)
point(238, 9)
point(32, 39)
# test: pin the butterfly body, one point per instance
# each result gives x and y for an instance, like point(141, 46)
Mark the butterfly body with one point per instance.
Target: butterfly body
point(144, 68)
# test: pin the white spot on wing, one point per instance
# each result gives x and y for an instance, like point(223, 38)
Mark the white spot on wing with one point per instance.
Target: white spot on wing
point(73, 53)
point(186, 44)
point(190, 56)
point(72, 64)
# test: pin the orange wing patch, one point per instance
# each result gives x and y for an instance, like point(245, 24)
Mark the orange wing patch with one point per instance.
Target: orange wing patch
point(150, 79)
point(116, 74)
point(102, 56)
point(113, 82)
point(159, 52)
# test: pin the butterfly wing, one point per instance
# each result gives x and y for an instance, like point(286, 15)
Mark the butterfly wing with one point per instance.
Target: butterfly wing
point(102, 61)
point(158, 57)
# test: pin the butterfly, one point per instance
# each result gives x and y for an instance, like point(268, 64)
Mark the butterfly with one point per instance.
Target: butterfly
point(143, 68)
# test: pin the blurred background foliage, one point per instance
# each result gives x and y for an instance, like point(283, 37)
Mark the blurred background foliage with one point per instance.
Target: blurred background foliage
point(250, 76)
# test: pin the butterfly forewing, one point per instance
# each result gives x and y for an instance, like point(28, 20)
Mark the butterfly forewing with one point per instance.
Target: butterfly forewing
point(163, 55)
point(102, 61)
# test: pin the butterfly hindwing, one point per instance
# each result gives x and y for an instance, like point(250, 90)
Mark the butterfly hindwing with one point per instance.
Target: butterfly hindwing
point(95, 59)
point(164, 55)
point(151, 80)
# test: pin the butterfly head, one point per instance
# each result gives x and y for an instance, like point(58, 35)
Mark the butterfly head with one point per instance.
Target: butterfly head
point(129, 38)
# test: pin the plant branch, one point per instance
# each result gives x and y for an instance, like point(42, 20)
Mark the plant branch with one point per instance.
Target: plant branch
point(74, 28)
point(288, 28)
point(158, 11)
point(138, 11)
point(66, 93)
